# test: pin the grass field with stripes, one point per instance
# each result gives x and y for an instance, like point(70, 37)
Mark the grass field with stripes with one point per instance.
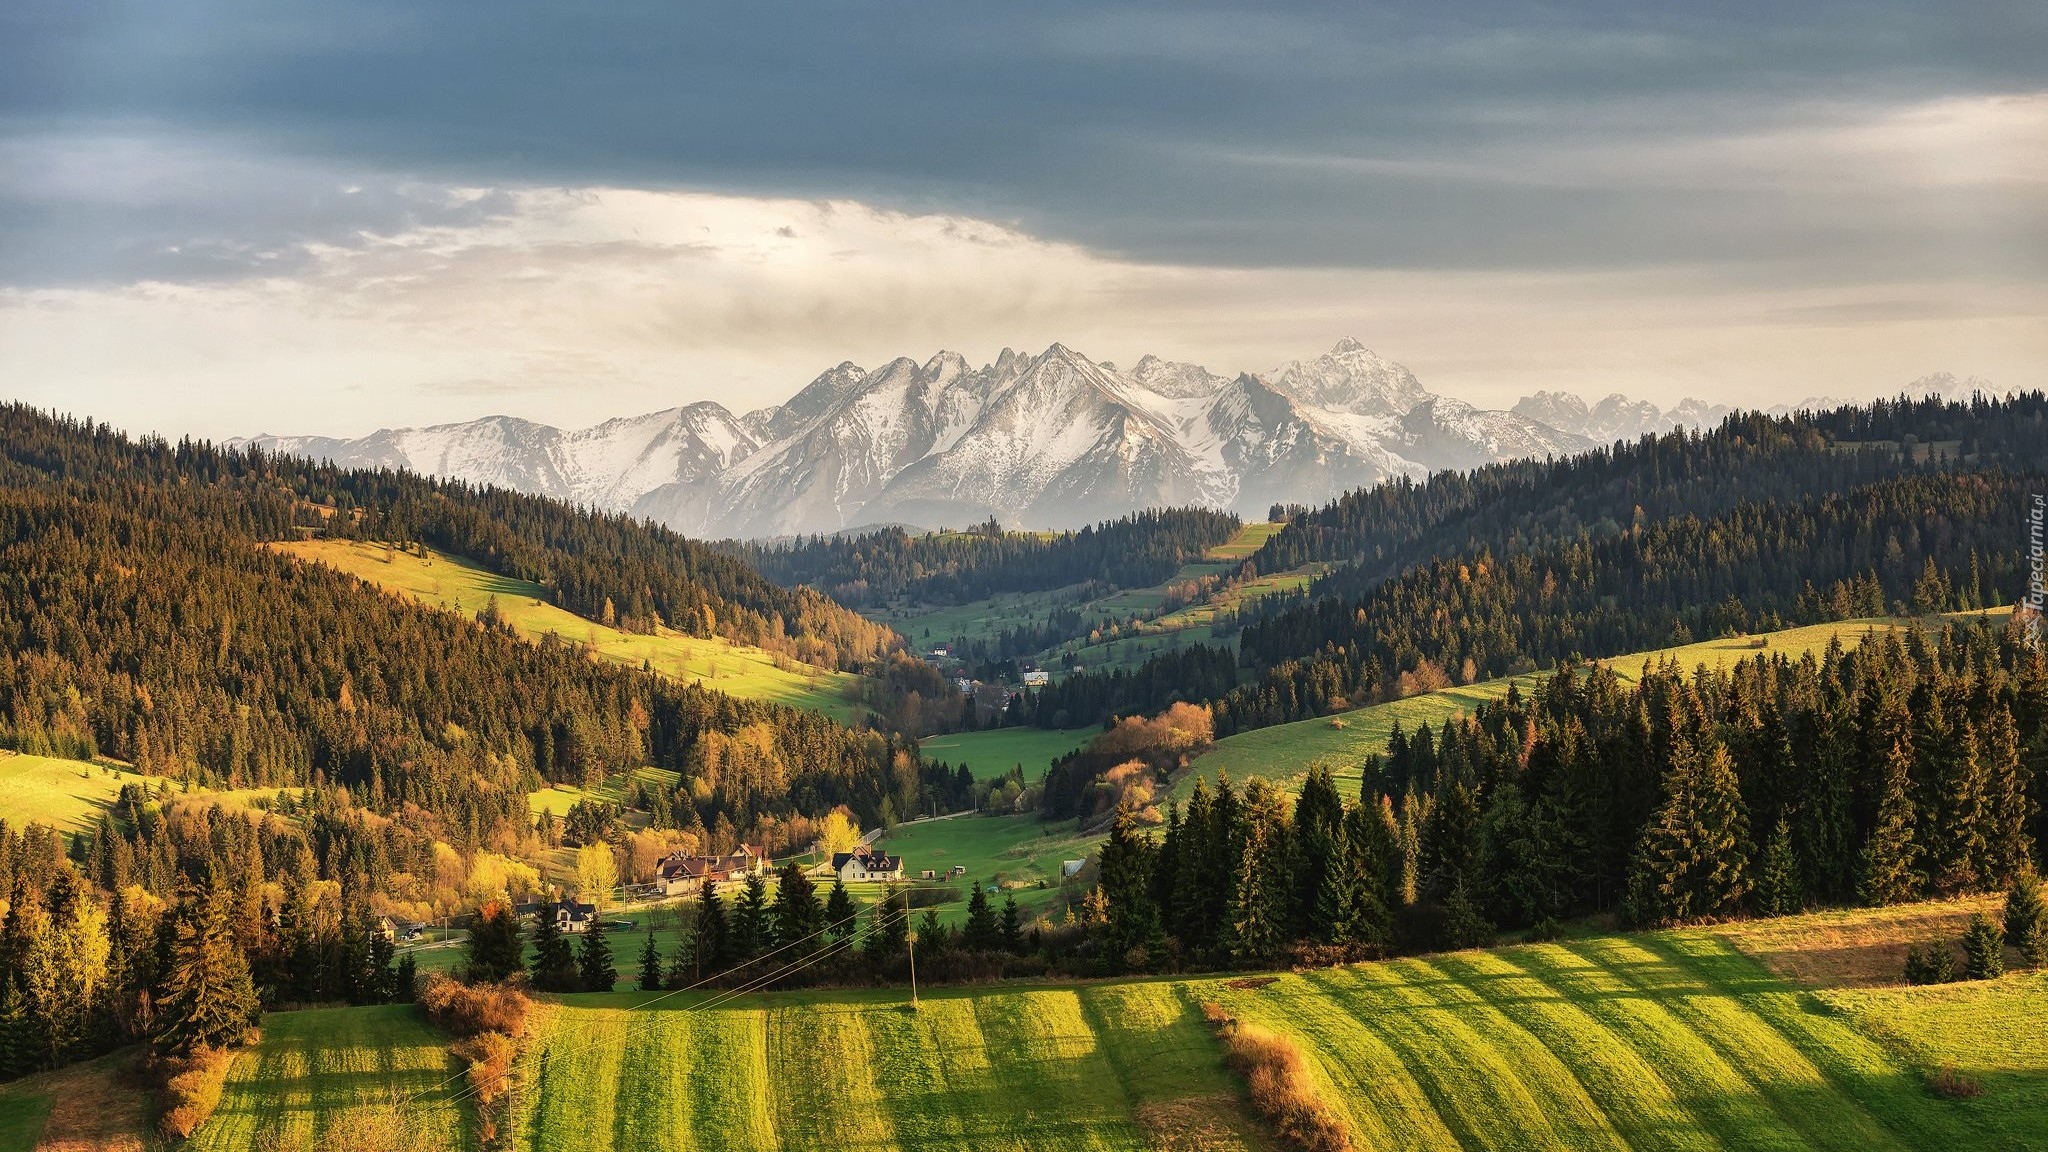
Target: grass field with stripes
point(1661, 1041)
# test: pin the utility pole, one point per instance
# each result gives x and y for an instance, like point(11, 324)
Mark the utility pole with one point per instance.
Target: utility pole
point(913, 971)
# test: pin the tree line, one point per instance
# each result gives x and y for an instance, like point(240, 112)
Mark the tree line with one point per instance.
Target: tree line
point(956, 567)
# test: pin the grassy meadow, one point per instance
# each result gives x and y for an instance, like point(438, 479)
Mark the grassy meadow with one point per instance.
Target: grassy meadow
point(1284, 752)
point(67, 795)
point(993, 752)
point(459, 585)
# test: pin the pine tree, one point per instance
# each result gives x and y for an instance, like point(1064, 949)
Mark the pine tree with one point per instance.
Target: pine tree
point(1941, 963)
point(405, 980)
point(553, 966)
point(1012, 928)
point(751, 928)
point(840, 914)
point(1255, 925)
point(682, 962)
point(495, 942)
point(2026, 920)
point(797, 915)
point(713, 953)
point(1692, 862)
point(650, 964)
point(1777, 882)
point(1983, 949)
point(1887, 875)
point(1133, 933)
point(980, 934)
point(1954, 840)
point(208, 997)
point(594, 959)
point(2007, 807)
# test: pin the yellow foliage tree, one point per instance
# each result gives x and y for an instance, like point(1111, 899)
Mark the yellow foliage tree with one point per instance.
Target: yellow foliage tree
point(597, 873)
point(838, 832)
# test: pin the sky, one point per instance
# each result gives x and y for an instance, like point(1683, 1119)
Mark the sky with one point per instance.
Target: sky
point(224, 217)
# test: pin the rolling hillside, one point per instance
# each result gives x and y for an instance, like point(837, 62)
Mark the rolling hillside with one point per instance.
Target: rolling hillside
point(459, 585)
point(1284, 752)
point(1667, 1040)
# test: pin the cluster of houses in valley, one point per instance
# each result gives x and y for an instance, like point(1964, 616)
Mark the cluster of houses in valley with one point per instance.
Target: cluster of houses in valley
point(681, 875)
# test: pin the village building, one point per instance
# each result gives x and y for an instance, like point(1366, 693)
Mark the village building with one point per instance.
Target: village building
point(681, 875)
point(865, 865)
point(1037, 678)
point(574, 916)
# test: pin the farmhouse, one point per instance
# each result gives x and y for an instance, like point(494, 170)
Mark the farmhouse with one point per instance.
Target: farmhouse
point(680, 875)
point(866, 864)
point(1037, 678)
point(574, 916)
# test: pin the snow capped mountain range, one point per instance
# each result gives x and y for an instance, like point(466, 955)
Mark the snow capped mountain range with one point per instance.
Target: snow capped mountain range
point(1617, 417)
point(1054, 440)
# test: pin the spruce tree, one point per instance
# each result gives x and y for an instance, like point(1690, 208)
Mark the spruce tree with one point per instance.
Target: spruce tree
point(1012, 928)
point(650, 964)
point(2007, 849)
point(1955, 848)
point(682, 970)
point(1692, 861)
point(495, 942)
point(1255, 925)
point(1777, 882)
point(1886, 874)
point(405, 979)
point(751, 927)
point(713, 951)
point(1941, 963)
point(208, 997)
point(2026, 920)
point(594, 959)
point(840, 914)
point(797, 916)
point(980, 934)
point(1125, 862)
point(553, 966)
point(1983, 949)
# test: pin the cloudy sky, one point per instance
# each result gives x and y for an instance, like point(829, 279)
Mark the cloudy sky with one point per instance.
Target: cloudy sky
point(231, 216)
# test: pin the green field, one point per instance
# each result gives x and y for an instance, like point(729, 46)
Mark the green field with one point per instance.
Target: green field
point(1657, 1041)
point(994, 751)
point(67, 795)
point(455, 583)
point(1016, 851)
point(1284, 752)
point(313, 1068)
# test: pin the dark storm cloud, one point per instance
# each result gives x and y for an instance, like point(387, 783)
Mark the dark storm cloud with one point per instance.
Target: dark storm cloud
point(1431, 135)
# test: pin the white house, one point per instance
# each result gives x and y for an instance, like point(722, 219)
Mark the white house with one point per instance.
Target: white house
point(864, 864)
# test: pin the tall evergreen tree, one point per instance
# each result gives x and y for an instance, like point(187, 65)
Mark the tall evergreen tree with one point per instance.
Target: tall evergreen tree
point(1886, 873)
point(594, 959)
point(980, 931)
point(1777, 881)
point(2008, 848)
point(1011, 930)
point(553, 965)
point(208, 997)
point(840, 913)
point(2026, 920)
point(1125, 861)
point(1258, 919)
point(650, 964)
point(1692, 862)
point(1983, 949)
point(713, 952)
point(751, 928)
point(495, 942)
point(797, 915)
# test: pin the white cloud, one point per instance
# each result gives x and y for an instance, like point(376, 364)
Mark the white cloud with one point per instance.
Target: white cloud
point(358, 302)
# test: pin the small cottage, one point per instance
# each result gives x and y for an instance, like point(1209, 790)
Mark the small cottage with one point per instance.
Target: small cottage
point(866, 865)
point(680, 875)
point(573, 916)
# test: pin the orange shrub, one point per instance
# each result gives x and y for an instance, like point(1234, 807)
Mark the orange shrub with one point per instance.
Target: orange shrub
point(1281, 1088)
point(469, 1009)
point(191, 1090)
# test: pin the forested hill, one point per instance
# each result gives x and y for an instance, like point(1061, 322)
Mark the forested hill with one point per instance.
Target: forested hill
point(602, 566)
point(1531, 503)
point(140, 619)
point(956, 567)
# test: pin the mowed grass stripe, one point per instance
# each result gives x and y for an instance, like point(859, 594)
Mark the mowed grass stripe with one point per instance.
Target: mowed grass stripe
point(1481, 1097)
point(653, 1113)
point(1636, 1100)
point(1720, 1098)
point(1050, 1071)
point(827, 1094)
point(575, 1075)
point(1805, 1099)
point(1854, 1061)
point(934, 1055)
point(1371, 1082)
point(1559, 1094)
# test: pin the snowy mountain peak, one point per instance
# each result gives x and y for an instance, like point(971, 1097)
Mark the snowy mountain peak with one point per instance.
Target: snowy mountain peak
point(1351, 378)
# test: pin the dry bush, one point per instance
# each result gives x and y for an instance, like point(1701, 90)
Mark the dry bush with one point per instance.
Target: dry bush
point(191, 1089)
point(1948, 1082)
point(469, 1009)
point(1251, 984)
point(490, 1056)
point(1281, 1088)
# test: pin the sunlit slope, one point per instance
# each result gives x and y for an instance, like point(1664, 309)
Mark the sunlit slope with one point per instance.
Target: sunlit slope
point(459, 585)
point(1284, 752)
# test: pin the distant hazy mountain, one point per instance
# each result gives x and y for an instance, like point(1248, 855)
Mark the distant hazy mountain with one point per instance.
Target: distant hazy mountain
point(1053, 440)
point(1617, 417)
